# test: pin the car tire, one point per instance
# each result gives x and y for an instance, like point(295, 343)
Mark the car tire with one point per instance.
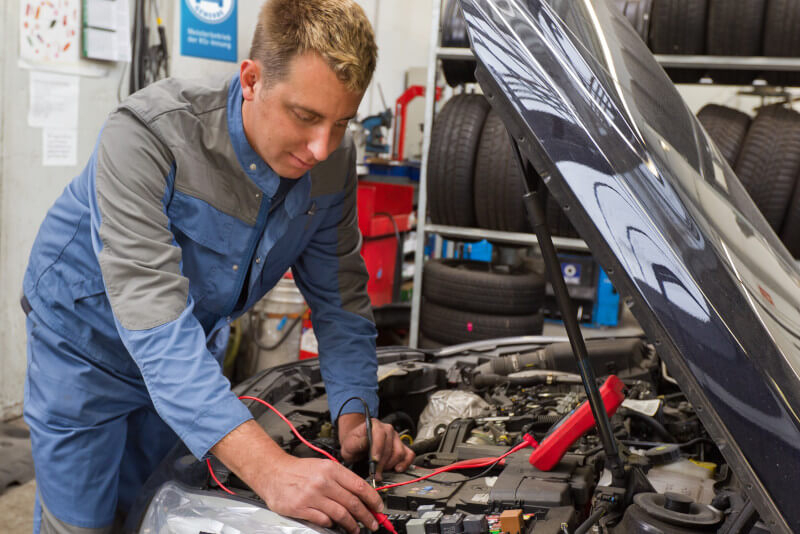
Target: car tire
point(781, 38)
point(475, 286)
point(451, 166)
point(678, 26)
point(638, 14)
point(727, 128)
point(498, 181)
point(735, 27)
point(557, 221)
point(454, 34)
point(769, 163)
point(450, 326)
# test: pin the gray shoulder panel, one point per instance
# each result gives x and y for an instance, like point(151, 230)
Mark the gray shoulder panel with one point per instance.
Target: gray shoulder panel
point(353, 276)
point(191, 119)
point(139, 260)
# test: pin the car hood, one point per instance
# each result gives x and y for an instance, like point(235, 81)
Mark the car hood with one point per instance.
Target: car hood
point(665, 216)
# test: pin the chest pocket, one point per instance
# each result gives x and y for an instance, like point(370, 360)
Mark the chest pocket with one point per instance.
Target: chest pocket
point(212, 243)
point(201, 223)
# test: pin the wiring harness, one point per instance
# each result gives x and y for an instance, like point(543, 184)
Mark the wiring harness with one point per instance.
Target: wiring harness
point(382, 519)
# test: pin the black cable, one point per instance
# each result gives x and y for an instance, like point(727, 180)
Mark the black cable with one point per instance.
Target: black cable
point(283, 338)
point(590, 521)
point(368, 422)
point(652, 422)
point(474, 477)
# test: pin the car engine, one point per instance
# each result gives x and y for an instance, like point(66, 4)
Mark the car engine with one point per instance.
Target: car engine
point(453, 406)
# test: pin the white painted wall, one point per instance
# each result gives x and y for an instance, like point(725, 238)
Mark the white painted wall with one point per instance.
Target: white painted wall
point(27, 189)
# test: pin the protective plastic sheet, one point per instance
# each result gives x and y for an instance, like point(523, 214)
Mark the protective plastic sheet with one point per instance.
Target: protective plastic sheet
point(446, 406)
point(177, 510)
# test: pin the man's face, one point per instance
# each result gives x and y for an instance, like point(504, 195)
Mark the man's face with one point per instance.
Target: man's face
point(296, 122)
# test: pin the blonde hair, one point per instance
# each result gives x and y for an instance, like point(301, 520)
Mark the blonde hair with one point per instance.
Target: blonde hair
point(337, 30)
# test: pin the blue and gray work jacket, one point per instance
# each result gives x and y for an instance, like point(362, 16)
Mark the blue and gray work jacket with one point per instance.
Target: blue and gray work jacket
point(174, 229)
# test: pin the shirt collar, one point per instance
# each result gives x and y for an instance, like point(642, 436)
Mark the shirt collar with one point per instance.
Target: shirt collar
point(256, 168)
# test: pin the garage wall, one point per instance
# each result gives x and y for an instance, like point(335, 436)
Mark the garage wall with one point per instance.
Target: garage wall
point(27, 189)
point(407, 22)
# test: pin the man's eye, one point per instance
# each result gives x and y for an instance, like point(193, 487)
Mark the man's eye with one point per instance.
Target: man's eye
point(303, 117)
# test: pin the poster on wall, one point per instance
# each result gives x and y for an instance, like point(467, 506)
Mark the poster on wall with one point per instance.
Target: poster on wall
point(49, 31)
point(209, 29)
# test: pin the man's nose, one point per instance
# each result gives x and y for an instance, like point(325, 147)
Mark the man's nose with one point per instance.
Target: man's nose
point(320, 143)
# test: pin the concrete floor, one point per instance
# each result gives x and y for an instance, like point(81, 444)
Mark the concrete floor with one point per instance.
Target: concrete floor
point(16, 509)
point(16, 503)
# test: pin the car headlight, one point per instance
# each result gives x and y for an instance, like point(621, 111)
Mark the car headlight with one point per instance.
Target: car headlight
point(176, 509)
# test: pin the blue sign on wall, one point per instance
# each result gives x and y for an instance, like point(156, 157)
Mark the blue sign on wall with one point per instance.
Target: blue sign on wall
point(208, 29)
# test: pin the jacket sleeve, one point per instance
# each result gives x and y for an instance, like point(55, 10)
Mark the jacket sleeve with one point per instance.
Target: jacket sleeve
point(333, 279)
point(141, 267)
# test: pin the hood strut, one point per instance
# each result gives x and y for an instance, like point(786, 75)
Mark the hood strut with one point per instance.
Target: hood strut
point(533, 203)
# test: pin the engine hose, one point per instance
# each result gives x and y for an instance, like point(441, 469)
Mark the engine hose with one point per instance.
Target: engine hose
point(401, 420)
point(531, 378)
point(427, 445)
point(653, 423)
point(584, 527)
point(546, 358)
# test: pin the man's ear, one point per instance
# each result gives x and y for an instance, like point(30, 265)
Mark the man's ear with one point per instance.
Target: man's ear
point(250, 78)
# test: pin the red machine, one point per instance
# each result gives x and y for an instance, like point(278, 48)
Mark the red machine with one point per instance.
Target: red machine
point(385, 212)
point(400, 109)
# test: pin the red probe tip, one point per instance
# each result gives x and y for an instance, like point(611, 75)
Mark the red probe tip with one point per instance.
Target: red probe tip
point(383, 520)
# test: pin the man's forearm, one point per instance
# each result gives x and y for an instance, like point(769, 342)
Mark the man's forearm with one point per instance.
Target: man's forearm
point(245, 449)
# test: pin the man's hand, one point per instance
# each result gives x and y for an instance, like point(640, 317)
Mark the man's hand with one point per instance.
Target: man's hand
point(387, 449)
point(318, 490)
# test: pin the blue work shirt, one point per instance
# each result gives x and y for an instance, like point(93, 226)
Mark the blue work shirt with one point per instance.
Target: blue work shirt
point(142, 260)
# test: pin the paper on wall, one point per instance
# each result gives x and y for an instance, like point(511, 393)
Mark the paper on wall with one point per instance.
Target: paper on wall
point(59, 147)
point(49, 31)
point(53, 100)
point(107, 34)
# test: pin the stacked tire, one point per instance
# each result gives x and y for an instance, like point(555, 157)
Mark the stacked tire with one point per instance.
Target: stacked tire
point(473, 176)
point(765, 155)
point(719, 28)
point(466, 301)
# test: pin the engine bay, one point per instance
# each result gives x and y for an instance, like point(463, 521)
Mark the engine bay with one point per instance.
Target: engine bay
point(473, 405)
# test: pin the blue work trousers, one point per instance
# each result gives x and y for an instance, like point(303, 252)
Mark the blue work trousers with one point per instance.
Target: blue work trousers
point(95, 434)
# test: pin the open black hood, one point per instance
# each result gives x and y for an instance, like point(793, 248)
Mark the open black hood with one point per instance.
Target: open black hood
point(695, 261)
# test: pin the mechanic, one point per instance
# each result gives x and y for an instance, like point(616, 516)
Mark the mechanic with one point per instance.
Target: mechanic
point(197, 198)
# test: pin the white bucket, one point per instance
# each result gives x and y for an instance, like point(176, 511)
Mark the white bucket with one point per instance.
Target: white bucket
point(280, 309)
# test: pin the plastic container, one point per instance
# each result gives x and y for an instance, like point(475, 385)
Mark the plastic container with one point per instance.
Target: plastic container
point(281, 309)
point(684, 477)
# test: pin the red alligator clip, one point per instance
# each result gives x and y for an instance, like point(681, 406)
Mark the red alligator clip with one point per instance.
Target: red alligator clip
point(556, 444)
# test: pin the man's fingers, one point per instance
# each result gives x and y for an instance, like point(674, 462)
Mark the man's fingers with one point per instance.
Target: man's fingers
point(398, 453)
point(386, 453)
point(378, 443)
point(408, 457)
point(338, 514)
point(354, 506)
point(316, 517)
point(359, 487)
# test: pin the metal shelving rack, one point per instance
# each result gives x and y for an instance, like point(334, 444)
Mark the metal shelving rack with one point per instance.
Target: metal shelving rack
point(424, 228)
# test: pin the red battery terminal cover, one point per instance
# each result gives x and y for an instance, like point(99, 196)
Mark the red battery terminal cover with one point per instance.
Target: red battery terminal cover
point(554, 446)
